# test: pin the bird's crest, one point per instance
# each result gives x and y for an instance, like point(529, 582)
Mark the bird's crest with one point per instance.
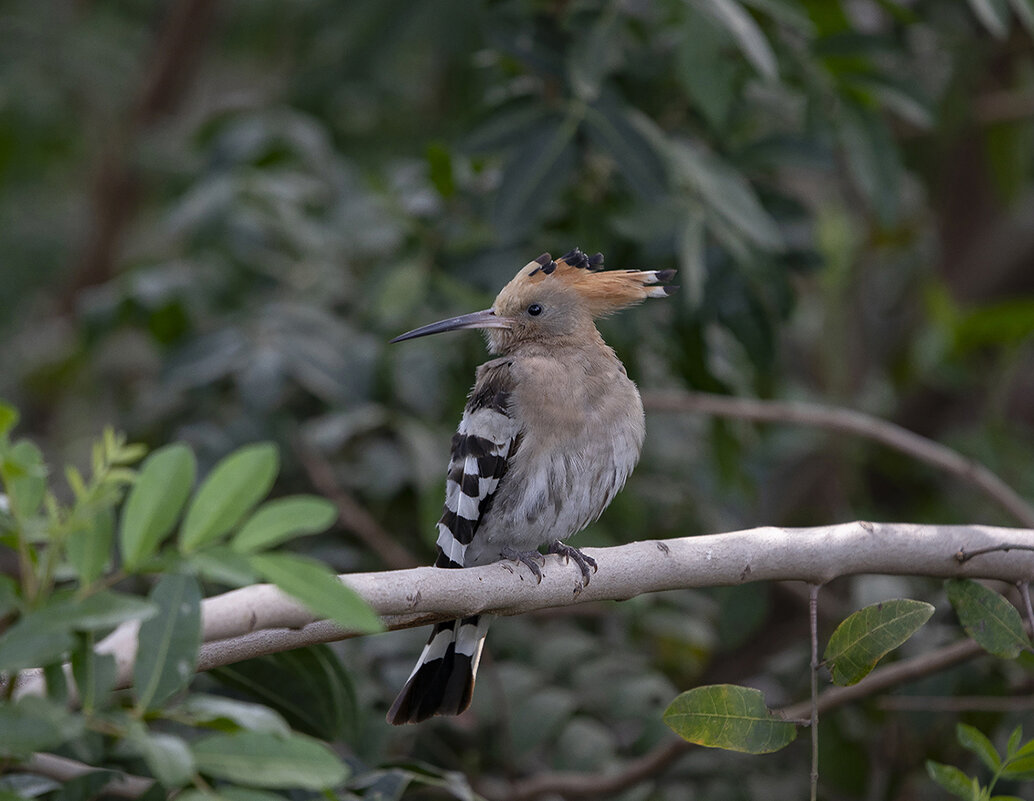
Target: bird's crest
point(603, 291)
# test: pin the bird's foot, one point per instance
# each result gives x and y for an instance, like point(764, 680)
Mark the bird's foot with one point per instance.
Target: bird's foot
point(528, 558)
point(569, 552)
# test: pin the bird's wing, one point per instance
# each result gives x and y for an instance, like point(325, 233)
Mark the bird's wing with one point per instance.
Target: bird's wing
point(481, 449)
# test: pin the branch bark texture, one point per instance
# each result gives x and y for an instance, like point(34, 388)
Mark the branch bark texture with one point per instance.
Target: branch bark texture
point(260, 619)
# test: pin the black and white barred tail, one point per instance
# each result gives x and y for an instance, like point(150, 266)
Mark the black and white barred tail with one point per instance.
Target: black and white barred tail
point(442, 683)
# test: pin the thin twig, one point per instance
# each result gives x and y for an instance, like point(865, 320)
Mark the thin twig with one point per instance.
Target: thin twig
point(956, 704)
point(571, 785)
point(964, 556)
point(1024, 588)
point(592, 785)
point(853, 422)
point(352, 516)
point(116, 188)
point(813, 629)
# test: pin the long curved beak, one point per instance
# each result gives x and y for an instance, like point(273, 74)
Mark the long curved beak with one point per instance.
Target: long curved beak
point(480, 319)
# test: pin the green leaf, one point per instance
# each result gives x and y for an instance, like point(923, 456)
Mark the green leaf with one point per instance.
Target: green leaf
point(729, 717)
point(535, 173)
point(258, 759)
point(953, 780)
point(1024, 751)
point(89, 548)
point(278, 521)
point(899, 96)
point(993, 15)
point(869, 634)
point(221, 564)
point(1024, 10)
point(707, 69)
point(190, 794)
point(168, 643)
point(316, 586)
point(86, 787)
point(873, 160)
point(76, 482)
point(56, 681)
point(39, 787)
point(100, 610)
point(1004, 323)
point(440, 169)
point(155, 502)
point(1020, 769)
point(10, 601)
point(691, 250)
point(232, 793)
point(508, 126)
point(723, 190)
point(741, 25)
point(8, 417)
point(309, 686)
point(33, 723)
point(94, 674)
point(790, 13)
point(214, 708)
point(612, 126)
point(167, 757)
point(235, 485)
point(1014, 742)
point(18, 786)
point(24, 474)
point(34, 641)
point(591, 60)
point(974, 740)
point(988, 618)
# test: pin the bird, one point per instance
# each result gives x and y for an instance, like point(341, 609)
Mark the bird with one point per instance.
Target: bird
point(552, 428)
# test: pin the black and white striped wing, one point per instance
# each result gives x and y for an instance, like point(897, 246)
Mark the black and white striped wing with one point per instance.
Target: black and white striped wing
point(481, 448)
point(442, 682)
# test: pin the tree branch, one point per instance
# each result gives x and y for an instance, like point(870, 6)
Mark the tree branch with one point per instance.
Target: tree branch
point(569, 784)
point(851, 422)
point(261, 619)
point(592, 785)
point(115, 192)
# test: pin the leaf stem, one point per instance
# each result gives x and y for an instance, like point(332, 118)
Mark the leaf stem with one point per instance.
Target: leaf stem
point(964, 556)
point(1024, 588)
point(813, 626)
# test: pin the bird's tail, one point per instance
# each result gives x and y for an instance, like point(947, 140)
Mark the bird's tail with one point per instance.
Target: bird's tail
point(442, 682)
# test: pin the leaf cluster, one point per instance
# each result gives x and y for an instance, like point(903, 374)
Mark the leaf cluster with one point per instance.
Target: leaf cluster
point(127, 527)
point(1017, 764)
point(737, 719)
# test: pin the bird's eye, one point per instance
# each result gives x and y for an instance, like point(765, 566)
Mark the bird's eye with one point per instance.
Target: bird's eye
point(534, 310)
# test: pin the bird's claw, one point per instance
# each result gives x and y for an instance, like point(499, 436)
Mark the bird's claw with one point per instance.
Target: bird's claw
point(584, 562)
point(528, 558)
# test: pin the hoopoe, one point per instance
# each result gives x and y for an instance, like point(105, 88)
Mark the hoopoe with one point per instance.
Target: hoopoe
point(551, 431)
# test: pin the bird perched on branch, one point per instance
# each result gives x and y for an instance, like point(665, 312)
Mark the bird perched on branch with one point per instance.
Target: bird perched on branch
point(551, 431)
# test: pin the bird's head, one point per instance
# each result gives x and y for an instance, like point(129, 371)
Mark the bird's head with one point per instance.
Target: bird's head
point(549, 301)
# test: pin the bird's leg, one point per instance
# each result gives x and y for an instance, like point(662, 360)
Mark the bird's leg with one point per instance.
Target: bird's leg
point(569, 552)
point(528, 558)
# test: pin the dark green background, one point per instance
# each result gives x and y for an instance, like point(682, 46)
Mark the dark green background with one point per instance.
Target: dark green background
point(213, 216)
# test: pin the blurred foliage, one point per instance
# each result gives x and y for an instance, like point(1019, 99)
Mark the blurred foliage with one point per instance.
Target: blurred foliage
point(213, 216)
